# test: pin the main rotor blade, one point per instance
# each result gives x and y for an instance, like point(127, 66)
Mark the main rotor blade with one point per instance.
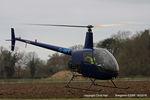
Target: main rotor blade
point(88, 26)
point(61, 25)
point(114, 24)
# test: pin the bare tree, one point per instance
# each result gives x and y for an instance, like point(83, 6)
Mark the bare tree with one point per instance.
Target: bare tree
point(32, 60)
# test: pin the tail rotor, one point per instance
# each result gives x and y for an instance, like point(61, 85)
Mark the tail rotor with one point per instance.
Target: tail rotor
point(13, 39)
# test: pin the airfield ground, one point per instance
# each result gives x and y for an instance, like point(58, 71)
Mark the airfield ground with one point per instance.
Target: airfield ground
point(57, 90)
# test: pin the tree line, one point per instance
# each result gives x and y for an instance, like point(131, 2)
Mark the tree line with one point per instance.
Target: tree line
point(28, 65)
point(131, 52)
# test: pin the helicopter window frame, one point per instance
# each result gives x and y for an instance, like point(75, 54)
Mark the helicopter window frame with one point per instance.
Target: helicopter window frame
point(87, 57)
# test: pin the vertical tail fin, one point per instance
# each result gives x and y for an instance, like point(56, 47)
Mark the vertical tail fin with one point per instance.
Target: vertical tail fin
point(12, 39)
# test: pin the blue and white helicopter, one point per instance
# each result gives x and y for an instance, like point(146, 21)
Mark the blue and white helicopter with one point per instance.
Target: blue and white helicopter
point(94, 63)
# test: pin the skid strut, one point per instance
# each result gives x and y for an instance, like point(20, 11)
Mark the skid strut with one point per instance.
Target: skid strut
point(92, 84)
point(86, 89)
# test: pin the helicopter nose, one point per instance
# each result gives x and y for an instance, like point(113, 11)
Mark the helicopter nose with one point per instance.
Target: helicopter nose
point(115, 74)
point(116, 67)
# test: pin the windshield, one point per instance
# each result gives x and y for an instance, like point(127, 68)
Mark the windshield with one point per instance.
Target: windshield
point(105, 60)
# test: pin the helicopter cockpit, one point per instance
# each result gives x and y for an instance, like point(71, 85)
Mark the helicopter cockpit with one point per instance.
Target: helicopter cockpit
point(105, 60)
point(102, 58)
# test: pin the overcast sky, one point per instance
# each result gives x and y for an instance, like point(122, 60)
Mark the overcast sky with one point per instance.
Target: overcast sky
point(17, 13)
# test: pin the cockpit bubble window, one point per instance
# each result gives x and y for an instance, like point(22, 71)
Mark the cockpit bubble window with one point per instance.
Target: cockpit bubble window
point(105, 60)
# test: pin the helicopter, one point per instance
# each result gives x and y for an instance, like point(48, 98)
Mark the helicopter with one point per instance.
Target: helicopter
point(93, 63)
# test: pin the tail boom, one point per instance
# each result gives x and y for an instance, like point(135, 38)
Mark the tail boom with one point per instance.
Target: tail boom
point(47, 46)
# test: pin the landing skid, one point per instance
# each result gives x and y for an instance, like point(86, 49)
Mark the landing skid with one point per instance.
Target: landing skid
point(114, 86)
point(92, 84)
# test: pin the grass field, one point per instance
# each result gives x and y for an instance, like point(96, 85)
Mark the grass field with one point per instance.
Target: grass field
point(46, 80)
point(31, 80)
point(87, 99)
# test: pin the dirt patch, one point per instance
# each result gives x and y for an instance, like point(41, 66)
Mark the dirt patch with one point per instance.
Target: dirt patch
point(65, 75)
point(58, 90)
point(62, 75)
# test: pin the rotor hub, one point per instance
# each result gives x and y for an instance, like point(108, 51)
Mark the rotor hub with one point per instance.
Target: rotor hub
point(90, 27)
